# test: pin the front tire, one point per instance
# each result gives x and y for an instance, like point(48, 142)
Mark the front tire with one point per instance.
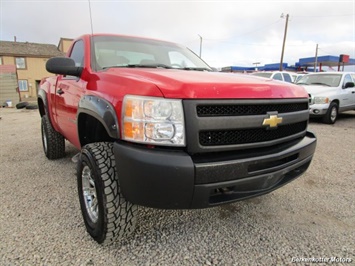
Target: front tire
point(332, 114)
point(53, 142)
point(107, 215)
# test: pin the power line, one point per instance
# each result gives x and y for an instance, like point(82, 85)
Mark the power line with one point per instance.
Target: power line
point(325, 51)
point(276, 22)
point(246, 33)
point(324, 16)
point(258, 44)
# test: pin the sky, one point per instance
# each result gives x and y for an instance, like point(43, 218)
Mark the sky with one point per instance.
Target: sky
point(232, 33)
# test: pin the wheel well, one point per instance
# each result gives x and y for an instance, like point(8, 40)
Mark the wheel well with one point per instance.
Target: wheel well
point(91, 130)
point(336, 101)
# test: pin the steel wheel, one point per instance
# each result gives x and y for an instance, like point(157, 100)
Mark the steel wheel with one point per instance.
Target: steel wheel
point(333, 114)
point(89, 194)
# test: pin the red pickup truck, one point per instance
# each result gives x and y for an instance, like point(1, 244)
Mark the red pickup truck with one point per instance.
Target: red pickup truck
point(157, 127)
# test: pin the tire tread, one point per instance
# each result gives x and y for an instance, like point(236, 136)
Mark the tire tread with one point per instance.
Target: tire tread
point(120, 215)
point(55, 141)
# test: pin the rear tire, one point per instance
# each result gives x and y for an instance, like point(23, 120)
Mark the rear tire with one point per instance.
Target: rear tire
point(332, 114)
point(53, 142)
point(107, 215)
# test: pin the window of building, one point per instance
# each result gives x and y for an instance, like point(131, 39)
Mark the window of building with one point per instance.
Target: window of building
point(1, 63)
point(20, 62)
point(23, 85)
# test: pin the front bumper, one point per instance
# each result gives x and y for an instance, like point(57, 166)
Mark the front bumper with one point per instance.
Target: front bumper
point(318, 109)
point(174, 180)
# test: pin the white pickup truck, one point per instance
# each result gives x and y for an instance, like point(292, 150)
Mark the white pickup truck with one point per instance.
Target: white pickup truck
point(329, 94)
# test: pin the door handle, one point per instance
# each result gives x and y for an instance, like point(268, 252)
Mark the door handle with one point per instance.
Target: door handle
point(60, 91)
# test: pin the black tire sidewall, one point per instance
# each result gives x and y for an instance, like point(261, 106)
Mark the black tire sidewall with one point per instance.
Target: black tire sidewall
point(44, 133)
point(31, 107)
point(97, 230)
point(21, 105)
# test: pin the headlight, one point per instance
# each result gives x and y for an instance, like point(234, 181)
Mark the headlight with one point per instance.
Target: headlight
point(321, 100)
point(150, 120)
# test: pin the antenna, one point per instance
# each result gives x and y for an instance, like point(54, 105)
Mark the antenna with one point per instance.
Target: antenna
point(92, 28)
point(92, 48)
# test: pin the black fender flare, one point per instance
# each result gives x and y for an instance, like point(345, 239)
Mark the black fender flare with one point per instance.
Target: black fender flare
point(103, 111)
point(42, 94)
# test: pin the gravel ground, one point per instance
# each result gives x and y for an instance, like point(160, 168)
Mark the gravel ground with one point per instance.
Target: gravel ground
point(41, 224)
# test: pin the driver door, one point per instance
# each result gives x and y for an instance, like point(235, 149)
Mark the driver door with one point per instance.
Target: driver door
point(68, 94)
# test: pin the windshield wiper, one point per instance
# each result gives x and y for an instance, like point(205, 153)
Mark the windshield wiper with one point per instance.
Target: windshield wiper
point(319, 83)
point(148, 65)
point(194, 68)
point(140, 66)
point(158, 66)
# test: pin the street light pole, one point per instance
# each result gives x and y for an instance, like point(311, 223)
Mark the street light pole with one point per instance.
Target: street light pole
point(200, 44)
point(284, 41)
point(256, 65)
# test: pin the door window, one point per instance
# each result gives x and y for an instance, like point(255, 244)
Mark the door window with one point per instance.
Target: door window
point(77, 53)
point(287, 77)
point(278, 76)
point(347, 79)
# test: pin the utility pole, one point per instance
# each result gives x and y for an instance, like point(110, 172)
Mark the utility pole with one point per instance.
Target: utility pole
point(283, 44)
point(316, 59)
point(200, 44)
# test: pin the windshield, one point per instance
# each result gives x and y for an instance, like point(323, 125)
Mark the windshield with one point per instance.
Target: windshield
point(121, 51)
point(329, 80)
point(262, 74)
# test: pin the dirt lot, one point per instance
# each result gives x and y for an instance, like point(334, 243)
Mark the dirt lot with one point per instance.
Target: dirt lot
point(310, 218)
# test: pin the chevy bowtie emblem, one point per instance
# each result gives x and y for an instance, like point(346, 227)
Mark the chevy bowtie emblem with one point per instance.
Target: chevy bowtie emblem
point(273, 121)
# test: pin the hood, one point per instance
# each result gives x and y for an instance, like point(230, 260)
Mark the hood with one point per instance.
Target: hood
point(187, 84)
point(318, 90)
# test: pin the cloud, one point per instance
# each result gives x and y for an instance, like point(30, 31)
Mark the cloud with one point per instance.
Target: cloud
point(233, 32)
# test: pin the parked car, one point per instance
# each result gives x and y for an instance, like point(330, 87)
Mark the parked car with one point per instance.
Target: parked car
point(329, 94)
point(278, 75)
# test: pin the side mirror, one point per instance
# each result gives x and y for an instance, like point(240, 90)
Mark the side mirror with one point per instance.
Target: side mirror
point(63, 66)
point(349, 85)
